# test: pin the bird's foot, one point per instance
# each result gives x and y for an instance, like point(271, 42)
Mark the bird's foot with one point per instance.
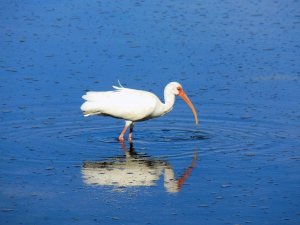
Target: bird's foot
point(130, 137)
point(121, 138)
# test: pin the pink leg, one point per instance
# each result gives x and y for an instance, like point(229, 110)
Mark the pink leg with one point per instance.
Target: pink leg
point(130, 135)
point(121, 137)
point(127, 124)
point(130, 132)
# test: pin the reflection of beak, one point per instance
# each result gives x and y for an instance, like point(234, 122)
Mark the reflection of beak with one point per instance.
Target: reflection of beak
point(189, 103)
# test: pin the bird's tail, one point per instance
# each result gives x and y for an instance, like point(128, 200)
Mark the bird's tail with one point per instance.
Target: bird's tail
point(90, 108)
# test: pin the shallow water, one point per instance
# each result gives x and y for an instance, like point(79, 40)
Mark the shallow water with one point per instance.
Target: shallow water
point(237, 61)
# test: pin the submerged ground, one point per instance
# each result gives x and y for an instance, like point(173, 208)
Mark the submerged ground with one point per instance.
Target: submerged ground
point(237, 60)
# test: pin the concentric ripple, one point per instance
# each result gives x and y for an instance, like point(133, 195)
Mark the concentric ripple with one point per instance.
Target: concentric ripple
point(73, 137)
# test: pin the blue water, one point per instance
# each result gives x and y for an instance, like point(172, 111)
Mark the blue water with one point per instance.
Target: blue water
point(238, 61)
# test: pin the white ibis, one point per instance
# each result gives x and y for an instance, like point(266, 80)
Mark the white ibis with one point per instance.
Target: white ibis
point(133, 105)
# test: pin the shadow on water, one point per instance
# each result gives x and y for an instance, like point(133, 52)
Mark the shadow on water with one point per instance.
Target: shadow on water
point(135, 170)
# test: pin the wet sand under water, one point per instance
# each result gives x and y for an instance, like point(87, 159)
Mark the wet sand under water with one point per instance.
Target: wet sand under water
point(236, 61)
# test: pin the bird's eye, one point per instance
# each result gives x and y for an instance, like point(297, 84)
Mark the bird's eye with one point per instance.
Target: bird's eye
point(179, 88)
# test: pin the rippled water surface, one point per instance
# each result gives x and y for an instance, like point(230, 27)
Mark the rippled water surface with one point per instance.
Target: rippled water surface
point(237, 60)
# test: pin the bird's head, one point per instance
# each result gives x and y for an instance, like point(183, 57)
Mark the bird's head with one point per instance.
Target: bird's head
point(176, 89)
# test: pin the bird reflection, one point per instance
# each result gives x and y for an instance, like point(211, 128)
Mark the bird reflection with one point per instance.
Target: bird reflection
point(135, 170)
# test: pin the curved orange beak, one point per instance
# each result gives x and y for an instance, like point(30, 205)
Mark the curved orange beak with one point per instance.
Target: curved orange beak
point(189, 103)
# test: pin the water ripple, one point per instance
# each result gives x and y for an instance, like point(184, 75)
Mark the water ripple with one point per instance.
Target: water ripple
point(167, 137)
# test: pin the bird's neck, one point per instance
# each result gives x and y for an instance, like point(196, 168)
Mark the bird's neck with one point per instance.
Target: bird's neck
point(167, 106)
point(169, 101)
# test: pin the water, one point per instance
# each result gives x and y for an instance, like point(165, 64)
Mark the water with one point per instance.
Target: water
point(237, 61)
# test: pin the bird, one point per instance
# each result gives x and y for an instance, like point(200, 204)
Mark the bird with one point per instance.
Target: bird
point(133, 105)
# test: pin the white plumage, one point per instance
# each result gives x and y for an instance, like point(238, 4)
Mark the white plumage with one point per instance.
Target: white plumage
point(132, 105)
point(123, 103)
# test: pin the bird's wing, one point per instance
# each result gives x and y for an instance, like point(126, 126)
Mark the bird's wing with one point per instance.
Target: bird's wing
point(125, 103)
